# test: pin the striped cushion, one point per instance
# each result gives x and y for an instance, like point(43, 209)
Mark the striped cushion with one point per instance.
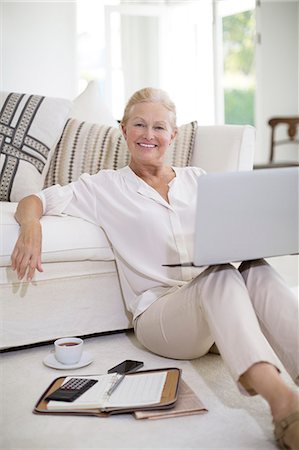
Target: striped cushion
point(30, 127)
point(87, 148)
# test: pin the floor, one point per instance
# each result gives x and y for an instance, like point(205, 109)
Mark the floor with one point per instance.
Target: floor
point(232, 422)
point(288, 267)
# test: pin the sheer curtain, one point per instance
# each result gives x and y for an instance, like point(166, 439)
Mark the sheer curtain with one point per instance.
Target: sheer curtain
point(166, 44)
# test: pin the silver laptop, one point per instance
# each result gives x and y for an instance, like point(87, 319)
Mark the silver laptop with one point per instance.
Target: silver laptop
point(246, 215)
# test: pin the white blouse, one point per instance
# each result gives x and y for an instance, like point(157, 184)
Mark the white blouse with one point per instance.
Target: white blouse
point(144, 230)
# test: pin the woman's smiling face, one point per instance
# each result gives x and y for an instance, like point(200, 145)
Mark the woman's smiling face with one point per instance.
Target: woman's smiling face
point(148, 132)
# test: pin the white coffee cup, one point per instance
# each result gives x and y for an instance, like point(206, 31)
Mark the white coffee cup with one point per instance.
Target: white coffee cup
point(68, 350)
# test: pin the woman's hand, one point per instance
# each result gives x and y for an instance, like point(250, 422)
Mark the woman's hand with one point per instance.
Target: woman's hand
point(26, 256)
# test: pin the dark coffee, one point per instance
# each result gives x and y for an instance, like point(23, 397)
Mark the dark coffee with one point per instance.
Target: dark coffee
point(68, 344)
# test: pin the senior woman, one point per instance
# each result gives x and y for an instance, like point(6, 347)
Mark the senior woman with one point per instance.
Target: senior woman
point(147, 210)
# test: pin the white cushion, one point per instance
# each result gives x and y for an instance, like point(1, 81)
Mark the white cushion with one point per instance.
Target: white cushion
point(30, 127)
point(64, 238)
point(90, 106)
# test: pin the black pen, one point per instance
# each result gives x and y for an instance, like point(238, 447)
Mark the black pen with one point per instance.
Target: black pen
point(114, 386)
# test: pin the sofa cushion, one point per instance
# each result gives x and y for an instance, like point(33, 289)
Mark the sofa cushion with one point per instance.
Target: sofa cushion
point(88, 147)
point(30, 127)
point(64, 238)
point(91, 107)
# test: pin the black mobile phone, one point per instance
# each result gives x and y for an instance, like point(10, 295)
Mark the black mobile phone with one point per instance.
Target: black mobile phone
point(126, 366)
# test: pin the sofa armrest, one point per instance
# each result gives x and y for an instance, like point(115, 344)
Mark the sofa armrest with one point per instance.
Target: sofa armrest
point(224, 148)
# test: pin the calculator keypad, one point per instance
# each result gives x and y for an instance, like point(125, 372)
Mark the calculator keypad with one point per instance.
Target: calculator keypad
point(72, 389)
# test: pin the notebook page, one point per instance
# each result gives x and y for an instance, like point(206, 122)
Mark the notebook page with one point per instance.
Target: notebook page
point(134, 390)
point(138, 390)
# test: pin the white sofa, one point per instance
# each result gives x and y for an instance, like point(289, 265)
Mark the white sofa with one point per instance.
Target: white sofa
point(78, 292)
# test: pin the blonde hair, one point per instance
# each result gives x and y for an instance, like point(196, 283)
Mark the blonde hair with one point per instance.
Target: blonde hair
point(148, 95)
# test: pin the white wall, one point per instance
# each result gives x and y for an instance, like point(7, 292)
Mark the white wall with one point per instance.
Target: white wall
point(277, 66)
point(38, 51)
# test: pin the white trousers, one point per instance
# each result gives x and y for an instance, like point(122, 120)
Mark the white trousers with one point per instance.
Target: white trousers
point(249, 312)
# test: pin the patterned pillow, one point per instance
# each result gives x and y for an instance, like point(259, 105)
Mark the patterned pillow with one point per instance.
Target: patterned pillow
point(87, 148)
point(30, 127)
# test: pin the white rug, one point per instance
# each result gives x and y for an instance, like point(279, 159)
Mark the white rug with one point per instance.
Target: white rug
point(233, 421)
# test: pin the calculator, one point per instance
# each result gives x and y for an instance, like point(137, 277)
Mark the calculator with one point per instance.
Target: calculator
point(72, 389)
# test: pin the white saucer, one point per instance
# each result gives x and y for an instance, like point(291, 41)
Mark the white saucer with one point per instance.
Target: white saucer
point(51, 361)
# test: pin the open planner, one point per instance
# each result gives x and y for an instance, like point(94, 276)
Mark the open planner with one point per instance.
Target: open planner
point(113, 393)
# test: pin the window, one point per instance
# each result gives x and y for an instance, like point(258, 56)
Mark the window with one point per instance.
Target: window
point(236, 53)
point(200, 52)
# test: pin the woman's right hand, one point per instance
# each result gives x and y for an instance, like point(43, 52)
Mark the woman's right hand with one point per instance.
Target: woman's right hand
point(26, 256)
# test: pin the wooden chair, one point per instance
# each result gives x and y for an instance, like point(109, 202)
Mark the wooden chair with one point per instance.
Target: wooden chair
point(292, 124)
